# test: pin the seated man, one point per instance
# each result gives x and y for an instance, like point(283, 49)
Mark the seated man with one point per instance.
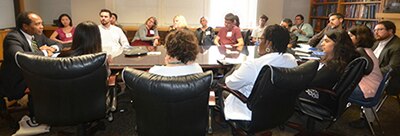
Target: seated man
point(287, 23)
point(273, 45)
point(27, 37)
point(335, 23)
point(302, 30)
point(112, 37)
point(257, 32)
point(230, 34)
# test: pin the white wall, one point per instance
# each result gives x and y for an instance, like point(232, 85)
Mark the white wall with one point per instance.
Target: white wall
point(271, 8)
point(136, 12)
point(295, 7)
point(49, 13)
point(7, 14)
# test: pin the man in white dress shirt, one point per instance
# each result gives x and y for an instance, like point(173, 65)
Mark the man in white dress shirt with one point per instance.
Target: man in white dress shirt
point(113, 39)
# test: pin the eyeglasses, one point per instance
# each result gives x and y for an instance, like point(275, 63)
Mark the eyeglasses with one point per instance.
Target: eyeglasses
point(379, 29)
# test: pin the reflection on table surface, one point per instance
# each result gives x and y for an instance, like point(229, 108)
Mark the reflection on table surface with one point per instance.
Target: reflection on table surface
point(208, 57)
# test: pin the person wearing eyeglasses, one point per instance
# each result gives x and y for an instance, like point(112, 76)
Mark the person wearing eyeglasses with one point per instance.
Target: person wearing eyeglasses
point(387, 50)
point(302, 30)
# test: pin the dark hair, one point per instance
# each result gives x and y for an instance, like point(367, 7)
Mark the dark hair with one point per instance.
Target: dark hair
point(237, 21)
point(288, 21)
point(301, 16)
point(23, 18)
point(86, 40)
point(182, 44)
point(264, 17)
point(114, 14)
point(155, 22)
point(343, 51)
point(279, 36)
point(230, 17)
point(59, 20)
point(338, 15)
point(364, 36)
point(106, 10)
point(389, 25)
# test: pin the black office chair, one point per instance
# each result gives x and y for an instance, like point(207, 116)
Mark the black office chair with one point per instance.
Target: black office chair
point(68, 91)
point(340, 93)
point(273, 97)
point(246, 34)
point(166, 106)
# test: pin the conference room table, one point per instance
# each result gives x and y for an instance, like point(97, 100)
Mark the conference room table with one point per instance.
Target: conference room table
point(209, 57)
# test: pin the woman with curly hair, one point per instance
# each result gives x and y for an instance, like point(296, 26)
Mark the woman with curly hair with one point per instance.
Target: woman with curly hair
point(182, 49)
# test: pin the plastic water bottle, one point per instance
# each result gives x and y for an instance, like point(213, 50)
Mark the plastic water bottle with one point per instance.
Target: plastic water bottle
point(257, 43)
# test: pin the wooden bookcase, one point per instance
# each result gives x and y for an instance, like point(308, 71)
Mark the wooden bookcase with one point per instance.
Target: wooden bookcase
point(355, 12)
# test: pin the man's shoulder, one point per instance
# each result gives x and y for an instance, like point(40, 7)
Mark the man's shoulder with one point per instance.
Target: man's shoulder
point(13, 34)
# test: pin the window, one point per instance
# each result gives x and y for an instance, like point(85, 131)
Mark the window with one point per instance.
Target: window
point(245, 9)
point(136, 12)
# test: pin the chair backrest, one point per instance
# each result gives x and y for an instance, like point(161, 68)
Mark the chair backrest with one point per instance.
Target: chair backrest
point(363, 53)
point(376, 99)
point(275, 93)
point(350, 78)
point(66, 91)
point(246, 37)
point(174, 105)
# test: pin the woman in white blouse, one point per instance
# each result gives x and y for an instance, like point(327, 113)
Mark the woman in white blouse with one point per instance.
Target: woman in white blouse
point(273, 48)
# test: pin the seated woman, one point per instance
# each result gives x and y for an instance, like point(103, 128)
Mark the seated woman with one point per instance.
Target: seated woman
point(182, 49)
point(339, 52)
point(275, 40)
point(179, 22)
point(147, 34)
point(87, 40)
point(205, 34)
point(363, 37)
point(63, 34)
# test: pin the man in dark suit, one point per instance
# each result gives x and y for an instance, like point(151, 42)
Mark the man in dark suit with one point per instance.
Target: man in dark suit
point(387, 49)
point(27, 37)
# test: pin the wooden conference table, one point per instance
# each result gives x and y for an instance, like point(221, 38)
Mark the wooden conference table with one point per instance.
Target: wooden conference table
point(210, 57)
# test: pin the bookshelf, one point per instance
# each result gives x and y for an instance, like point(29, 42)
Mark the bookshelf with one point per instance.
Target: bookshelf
point(354, 11)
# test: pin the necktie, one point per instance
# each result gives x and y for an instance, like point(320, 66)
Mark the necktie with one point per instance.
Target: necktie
point(34, 45)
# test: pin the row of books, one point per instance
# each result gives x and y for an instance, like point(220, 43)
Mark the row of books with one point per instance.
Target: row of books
point(324, 10)
point(360, 0)
point(320, 24)
point(361, 11)
point(369, 24)
point(325, 0)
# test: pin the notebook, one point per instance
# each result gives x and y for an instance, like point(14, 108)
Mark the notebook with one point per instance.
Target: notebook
point(136, 51)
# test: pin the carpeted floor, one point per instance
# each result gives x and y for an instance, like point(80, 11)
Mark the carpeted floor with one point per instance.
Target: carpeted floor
point(124, 124)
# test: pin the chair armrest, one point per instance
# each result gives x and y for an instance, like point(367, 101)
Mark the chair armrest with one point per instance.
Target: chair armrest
point(330, 92)
point(313, 109)
point(236, 93)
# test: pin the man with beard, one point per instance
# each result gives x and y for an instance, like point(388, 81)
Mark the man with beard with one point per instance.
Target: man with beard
point(387, 50)
point(112, 37)
point(335, 22)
